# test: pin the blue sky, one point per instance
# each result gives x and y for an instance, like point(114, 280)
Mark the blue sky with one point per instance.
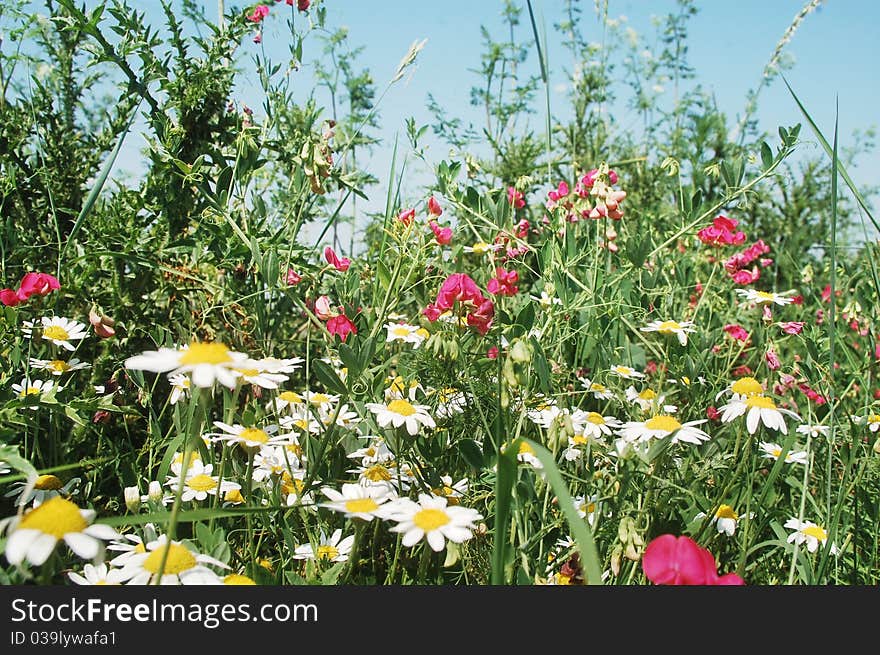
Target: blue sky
point(834, 51)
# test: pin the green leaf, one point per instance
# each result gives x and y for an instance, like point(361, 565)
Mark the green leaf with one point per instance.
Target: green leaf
point(766, 155)
point(327, 376)
point(471, 453)
point(504, 479)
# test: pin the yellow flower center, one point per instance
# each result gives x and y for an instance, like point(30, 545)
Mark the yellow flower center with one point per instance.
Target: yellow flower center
point(327, 552)
point(236, 579)
point(662, 422)
point(400, 331)
point(763, 296)
point(668, 327)
point(726, 512)
point(422, 332)
point(56, 332)
point(563, 580)
point(140, 548)
point(248, 372)
point(595, 418)
point(233, 496)
point(747, 387)
point(377, 473)
point(254, 435)
point(816, 532)
point(201, 482)
point(361, 505)
point(290, 397)
point(579, 440)
point(762, 402)
point(526, 449)
point(648, 394)
point(179, 559)
point(874, 418)
point(58, 366)
point(319, 399)
point(205, 353)
point(47, 483)
point(595, 386)
point(265, 563)
point(430, 519)
point(623, 370)
point(776, 452)
point(400, 406)
point(57, 517)
point(291, 485)
point(29, 391)
point(587, 507)
point(296, 449)
point(480, 248)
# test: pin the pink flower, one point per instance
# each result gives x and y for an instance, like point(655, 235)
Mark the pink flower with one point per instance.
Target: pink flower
point(9, 298)
point(481, 318)
point(522, 229)
point(258, 37)
point(302, 5)
point(259, 13)
point(434, 206)
point(743, 276)
point(443, 235)
point(293, 277)
point(792, 327)
point(504, 283)
point(103, 325)
point(671, 560)
point(712, 413)
point(458, 287)
point(323, 310)
point(406, 216)
point(738, 332)
point(32, 284)
point(492, 353)
point(721, 233)
point(515, 198)
point(432, 312)
point(341, 326)
point(338, 264)
point(773, 362)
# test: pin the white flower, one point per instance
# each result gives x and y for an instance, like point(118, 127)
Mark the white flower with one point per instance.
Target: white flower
point(58, 366)
point(251, 371)
point(649, 401)
point(35, 535)
point(43, 488)
point(129, 545)
point(725, 519)
point(376, 451)
point(599, 391)
point(432, 519)
point(450, 401)
point(660, 427)
point(334, 549)
point(198, 482)
point(815, 431)
point(57, 329)
point(592, 425)
point(180, 385)
point(401, 412)
point(183, 566)
point(407, 333)
point(205, 362)
point(760, 410)
point(385, 476)
point(287, 400)
point(249, 437)
point(398, 388)
point(274, 365)
point(626, 372)
point(302, 419)
point(764, 297)
point(871, 420)
point(357, 501)
point(546, 300)
point(28, 388)
point(774, 450)
point(481, 248)
point(679, 329)
point(742, 388)
point(452, 492)
point(274, 460)
point(96, 575)
point(809, 532)
point(527, 455)
point(544, 413)
point(586, 507)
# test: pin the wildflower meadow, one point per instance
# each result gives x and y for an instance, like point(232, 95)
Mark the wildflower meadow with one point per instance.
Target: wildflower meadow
point(560, 349)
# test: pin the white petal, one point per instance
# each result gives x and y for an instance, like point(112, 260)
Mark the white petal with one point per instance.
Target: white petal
point(412, 536)
point(83, 545)
point(41, 548)
point(203, 375)
point(101, 531)
point(19, 543)
point(753, 419)
point(436, 540)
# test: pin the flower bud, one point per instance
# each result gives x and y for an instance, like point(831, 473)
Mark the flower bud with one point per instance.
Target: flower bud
point(132, 498)
point(154, 492)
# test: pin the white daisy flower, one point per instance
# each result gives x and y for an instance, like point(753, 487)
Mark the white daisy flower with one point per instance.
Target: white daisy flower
point(758, 409)
point(481, 248)
point(432, 519)
point(205, 362)
point(725, 519)
point(399, 388)
point(334, 549)
point(599, 391)
point(251, 372)
point(660, 427)
point(57, 329)
point(626, 372)
point(742, 388)
point(400, 412)
point(273, 461)
point(527, 455)
point(871, 420)
point(345, 418)
point(34, 536)
point(809, 532)
point(43, 488)
point(586, 507)
point(58, 366)
point(249, 437)
point(376, 451)
point(544, 413)
point(357, 501)
point(649, 400)
point(183, 566)
point(546, 300)
point(32, 389)
point(406, 333)
point(764, 297)
point(452, 492)
point(180, 386)
point(129, 545)
point(814, 430)
point(385, 476)
point(275, 365)
point(321, 401)
point(450, 401)
point(198, 483)
point(301, 419)
point(96, 575)
point(774, 450)
point(287, 400)
point(679, 328)
point(293, 489)
point(592, 425)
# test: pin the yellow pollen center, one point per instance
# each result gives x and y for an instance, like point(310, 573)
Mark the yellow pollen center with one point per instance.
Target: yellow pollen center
point(526, 449)
point(377, 473)
point(254, 435)
point(248, 372)
point(648, 394)
point(179, 559)
point(233, 496)
point(623, 370)
point(776, 452)
point(58, 366)
point(764, 296)
point(595, 418)
point(662, 422)
point(140, 548)
point(587, 507)
point(595, 386)
point(201, 482)
point(400, 331)
point(579, 440)
point(726, 512)
point(430, 519)
point(327, 552)
point(668, 327)
point(762, 402)
point(319, 399)
point(57, 517)
point(874, 418)
point(480, 248)
point(29, 391)
point(47, 483)
point(236, 579)
point(816, 532)
point(205, 353)
point(747, 387)
point(290, 397)
point(290, 485)
point(296, 449)
point(422, 332)
point(56, 332)
point(361, 505)
point(401, 407)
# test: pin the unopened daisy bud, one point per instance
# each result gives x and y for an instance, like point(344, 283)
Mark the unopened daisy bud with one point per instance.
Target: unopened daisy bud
point(520, 351)
point(154, 492)
point(132, 498)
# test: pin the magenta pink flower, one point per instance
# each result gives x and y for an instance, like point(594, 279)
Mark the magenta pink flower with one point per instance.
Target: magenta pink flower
point(504, 283)
point(406, 216)
point(9, 298)
point(738, 332)
point(431, 312)
point(792, 327)
point(671, 560)
point(434, 206)
point(515, 198)
point(481, 318)
point(721, 233)
point(32, 284)
point(743, 277)
point(302, 5)
point(458, 287)
point(341, 326)
point(259, 13)
point(338, 264)
point(292, 277)
point(773, 362)
point(443, 235)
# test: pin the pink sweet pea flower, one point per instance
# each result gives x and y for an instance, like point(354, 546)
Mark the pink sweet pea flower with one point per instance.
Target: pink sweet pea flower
point(259, 13)
point(792, 327)
point(103, 325)
point(738, 332)
point(302, 5)
point(434, 206)
point(37, 284)
point(481, 318)
point(406, 216)
point(338, 264)
point(671, 560)
point(431, 312)
point(292, 277)
point(515, 198)
point(504, 283)
point(323, 310)
point(458, 287)
point(743, 276)
point(443, 235)
point(341, 326)
point(773, 362)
